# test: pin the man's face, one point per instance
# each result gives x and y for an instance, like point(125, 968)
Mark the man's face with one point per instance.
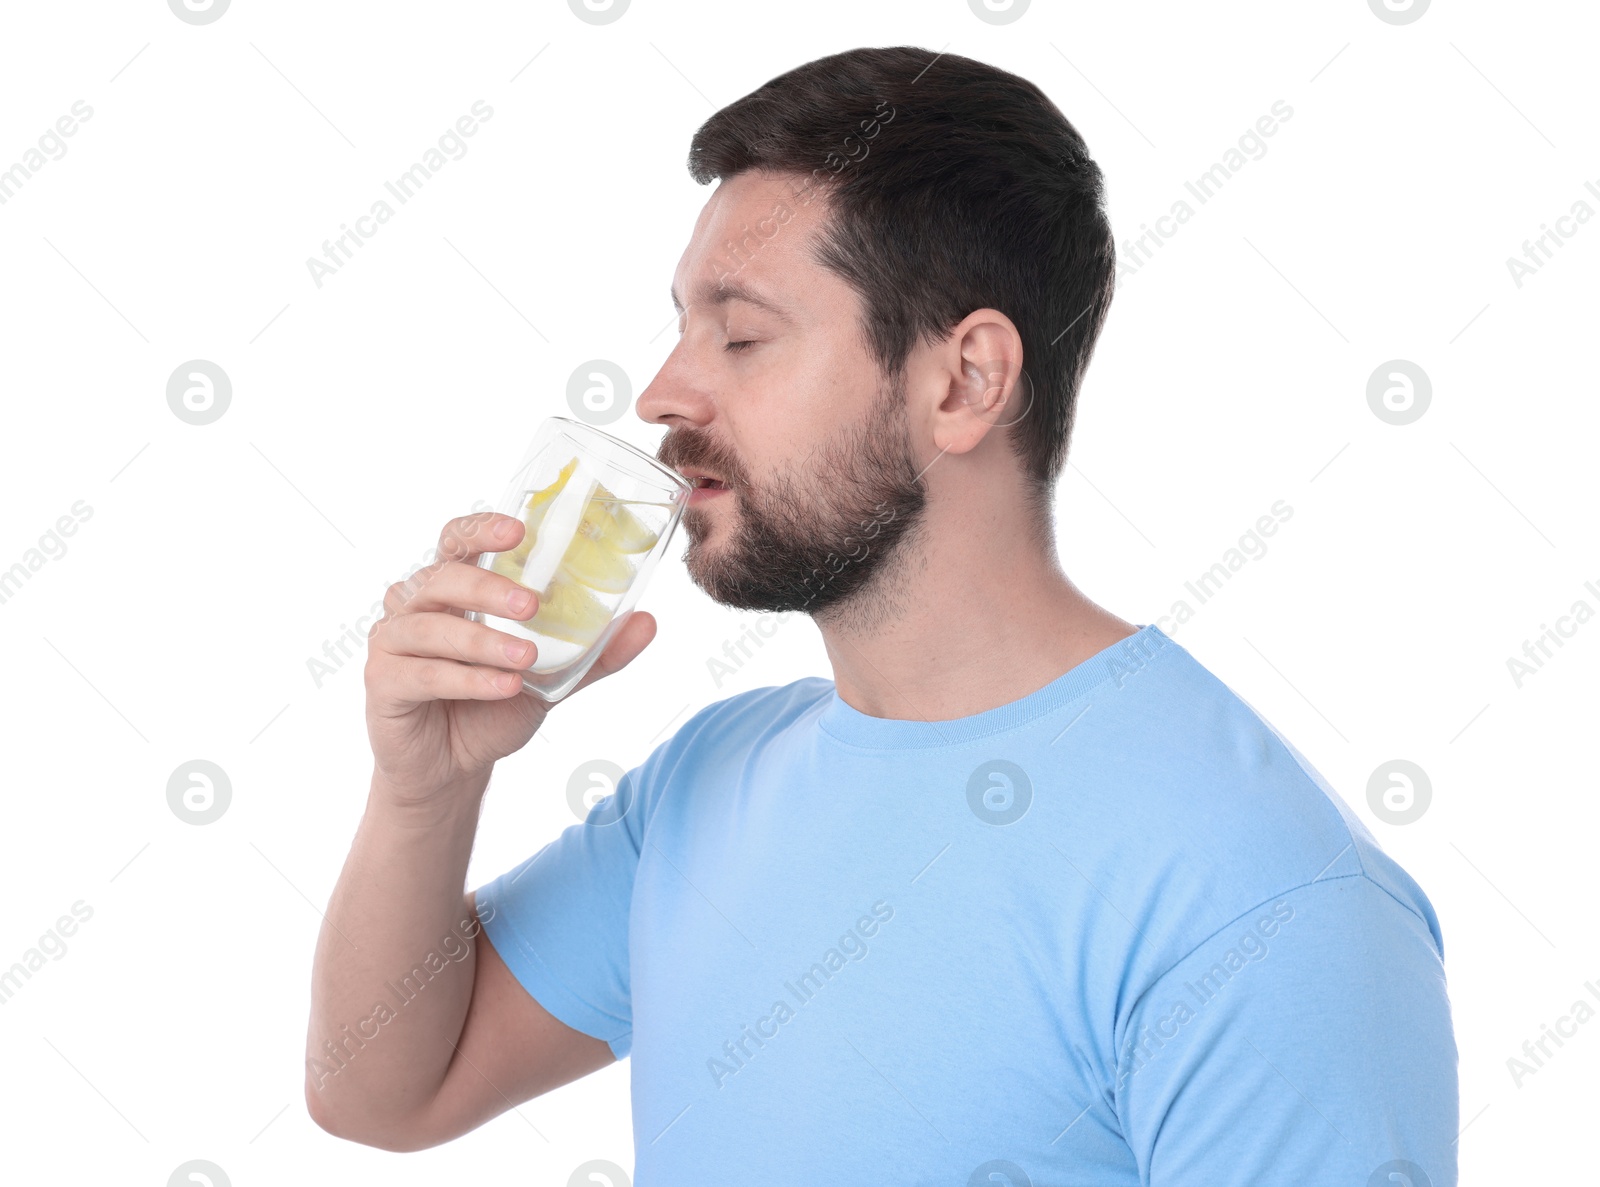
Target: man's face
point(816, 479)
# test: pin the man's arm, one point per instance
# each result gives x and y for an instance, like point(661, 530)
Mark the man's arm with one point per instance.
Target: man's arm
point(430, 1034)
point(511, 1050)
point(417, 1032)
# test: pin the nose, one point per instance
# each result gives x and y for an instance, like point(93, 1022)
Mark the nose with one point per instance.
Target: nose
point(674, 396)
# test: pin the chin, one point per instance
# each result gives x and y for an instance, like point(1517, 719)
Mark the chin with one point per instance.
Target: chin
point(700, 526)
point(696, 557)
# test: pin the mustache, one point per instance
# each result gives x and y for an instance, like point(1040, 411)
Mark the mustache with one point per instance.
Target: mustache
point(691, 447)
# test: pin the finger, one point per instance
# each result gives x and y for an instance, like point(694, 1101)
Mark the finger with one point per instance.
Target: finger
point(409, 679)
point(445, 636)
point(455, 586)
point(631, 638)
point(467, 537)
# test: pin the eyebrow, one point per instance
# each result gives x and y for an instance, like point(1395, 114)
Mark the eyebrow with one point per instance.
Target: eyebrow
point(734, 290)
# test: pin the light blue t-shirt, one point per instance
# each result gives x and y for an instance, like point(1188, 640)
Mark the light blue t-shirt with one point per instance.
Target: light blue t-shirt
point(1117, 932)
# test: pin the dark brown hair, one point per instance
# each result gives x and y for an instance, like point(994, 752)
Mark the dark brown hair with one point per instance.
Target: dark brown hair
point(952, 185)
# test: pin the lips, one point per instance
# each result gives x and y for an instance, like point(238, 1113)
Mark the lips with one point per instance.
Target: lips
point(701, 480)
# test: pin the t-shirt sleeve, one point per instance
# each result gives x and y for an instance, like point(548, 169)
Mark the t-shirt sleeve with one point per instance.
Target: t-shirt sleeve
point(1308, 1042)
point(559, 920)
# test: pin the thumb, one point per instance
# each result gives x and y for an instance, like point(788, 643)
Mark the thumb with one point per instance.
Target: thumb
point(631, 638)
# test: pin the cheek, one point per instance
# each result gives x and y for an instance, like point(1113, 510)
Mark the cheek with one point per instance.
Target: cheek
point(804, 393)
point(822, 388)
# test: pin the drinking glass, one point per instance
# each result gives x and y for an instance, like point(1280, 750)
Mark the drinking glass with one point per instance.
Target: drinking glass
point(599, 513)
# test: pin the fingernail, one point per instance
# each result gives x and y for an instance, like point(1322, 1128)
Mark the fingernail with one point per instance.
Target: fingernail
point(517, 652)
point(520, 600)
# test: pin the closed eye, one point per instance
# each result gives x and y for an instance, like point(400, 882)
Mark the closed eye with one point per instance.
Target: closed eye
point(737, 347)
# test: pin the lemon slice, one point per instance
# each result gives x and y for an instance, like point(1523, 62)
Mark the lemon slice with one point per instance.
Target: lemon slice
point(561, 513)
point(571, 613)
point(609, 523)
point(603, 535)
point(594, 564)
point(533, 512)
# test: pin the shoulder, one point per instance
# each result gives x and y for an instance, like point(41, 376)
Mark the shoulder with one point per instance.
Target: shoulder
point(727, 730)
point(755, 711)
point(1229, 799)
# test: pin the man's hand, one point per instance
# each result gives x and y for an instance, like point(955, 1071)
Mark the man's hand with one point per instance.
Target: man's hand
point(444, 695)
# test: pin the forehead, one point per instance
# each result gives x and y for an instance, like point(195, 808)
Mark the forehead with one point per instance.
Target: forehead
point(751, 242)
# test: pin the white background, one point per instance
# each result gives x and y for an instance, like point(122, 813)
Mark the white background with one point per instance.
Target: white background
point(1232, 373)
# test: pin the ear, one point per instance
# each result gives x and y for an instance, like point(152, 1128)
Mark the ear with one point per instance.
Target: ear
point(982, 364)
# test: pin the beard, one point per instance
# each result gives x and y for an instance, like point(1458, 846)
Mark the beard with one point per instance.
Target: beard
point(813, 538)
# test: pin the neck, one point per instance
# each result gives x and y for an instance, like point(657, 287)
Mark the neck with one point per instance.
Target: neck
point(963, 618)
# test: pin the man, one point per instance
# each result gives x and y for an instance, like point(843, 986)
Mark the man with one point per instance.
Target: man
point(1024, 893)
